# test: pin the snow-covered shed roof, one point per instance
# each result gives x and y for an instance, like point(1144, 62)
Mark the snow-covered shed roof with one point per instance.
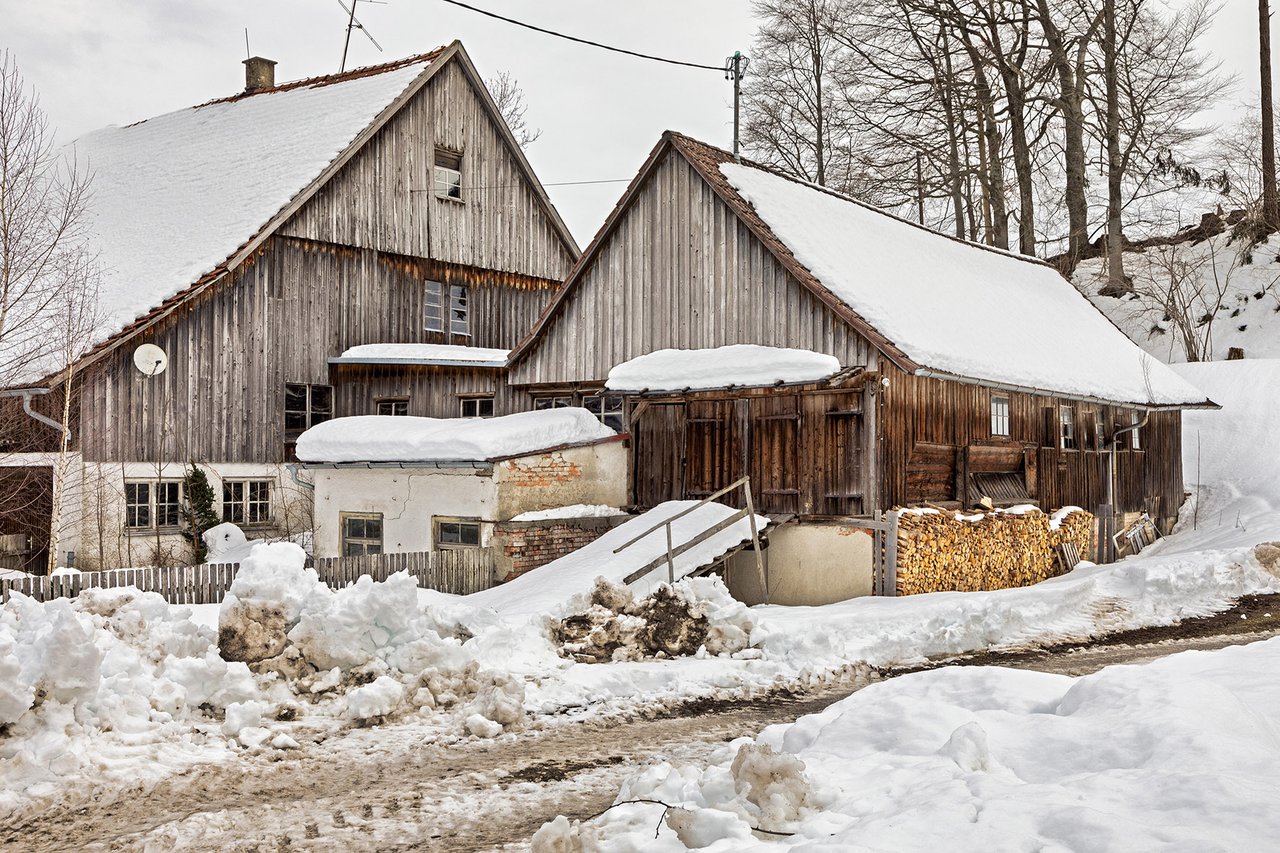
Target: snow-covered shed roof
point(733, 366)
point(175, 196)
point(426, 354)
point(387, 438)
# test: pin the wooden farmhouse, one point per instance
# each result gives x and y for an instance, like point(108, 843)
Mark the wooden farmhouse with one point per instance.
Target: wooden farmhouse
point(273, 244)
point(962, 372)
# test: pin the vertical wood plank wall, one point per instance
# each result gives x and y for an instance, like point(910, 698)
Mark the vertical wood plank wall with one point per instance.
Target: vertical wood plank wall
point(433, 392)
point(680, 270)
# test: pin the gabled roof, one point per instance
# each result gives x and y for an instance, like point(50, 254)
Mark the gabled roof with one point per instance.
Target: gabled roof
point(932, 304)
point(180, 199)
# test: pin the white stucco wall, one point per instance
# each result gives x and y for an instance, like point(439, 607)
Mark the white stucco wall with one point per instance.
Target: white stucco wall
point(809, 564)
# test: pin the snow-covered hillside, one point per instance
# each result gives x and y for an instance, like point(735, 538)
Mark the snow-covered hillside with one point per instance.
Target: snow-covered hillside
point(1217, 294)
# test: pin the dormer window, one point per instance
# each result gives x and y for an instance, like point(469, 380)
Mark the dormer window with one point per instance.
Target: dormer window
point(448, 174)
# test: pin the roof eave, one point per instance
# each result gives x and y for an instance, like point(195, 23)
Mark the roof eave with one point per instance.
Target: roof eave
point(928, 373)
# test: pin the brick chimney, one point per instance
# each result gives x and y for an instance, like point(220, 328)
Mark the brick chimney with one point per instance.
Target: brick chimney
point(259, 73)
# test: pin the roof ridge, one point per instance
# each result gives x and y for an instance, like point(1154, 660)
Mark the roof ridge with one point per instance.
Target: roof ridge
point(330, 79)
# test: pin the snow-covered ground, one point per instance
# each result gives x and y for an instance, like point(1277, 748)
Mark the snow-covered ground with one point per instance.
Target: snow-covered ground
point(115, 690)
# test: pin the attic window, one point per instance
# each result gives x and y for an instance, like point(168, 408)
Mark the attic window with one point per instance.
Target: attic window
point(448, 174)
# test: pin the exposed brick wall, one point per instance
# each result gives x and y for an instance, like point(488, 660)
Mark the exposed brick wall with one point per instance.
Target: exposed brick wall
point(524, 545)
point(545, 470)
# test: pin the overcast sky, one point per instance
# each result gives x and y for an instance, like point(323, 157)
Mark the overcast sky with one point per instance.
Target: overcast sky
point(100, 62)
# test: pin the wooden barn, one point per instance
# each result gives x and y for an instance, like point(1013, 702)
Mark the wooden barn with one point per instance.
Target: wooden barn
point(259, 241)
point(961, 372)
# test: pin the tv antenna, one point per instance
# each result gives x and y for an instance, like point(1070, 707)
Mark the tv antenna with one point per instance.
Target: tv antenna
point(354, 23)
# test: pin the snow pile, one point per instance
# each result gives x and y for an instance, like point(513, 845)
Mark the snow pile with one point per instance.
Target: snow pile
point(934, 298)
point(1180, 753)
point(379, 438)
point(445, 354)
point(573, 511)
point(546, 590)
point(692, 616)
point(370, 646)
point(225, 543)
point(109, 670)
point(176, 195)
point(737, 365)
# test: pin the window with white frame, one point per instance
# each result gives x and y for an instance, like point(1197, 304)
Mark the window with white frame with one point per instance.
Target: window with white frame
point(1067, 418)
point(398, 407)
point(246, 502)
point(608, 409)
point(448, 174)
point(361, 533)
point(433, 306)
point(452, 533)
point(153, 504)
point(999, 416)
point(434, 298)
point(476, 407)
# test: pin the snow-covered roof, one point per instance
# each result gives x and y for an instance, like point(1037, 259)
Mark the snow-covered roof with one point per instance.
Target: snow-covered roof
point(737, 365)
point(387, 438)
point(441, 354)
point(174, 197)
point(955, 308)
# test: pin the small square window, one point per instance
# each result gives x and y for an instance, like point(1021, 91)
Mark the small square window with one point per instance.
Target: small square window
point(999, 416)
point(448, 174)
point(558, 402)
point(246, 501)
point(477, 407)
point(361, 534)
point(453, 533)
point(395, 408)
point(304, 407)
point(608, 409)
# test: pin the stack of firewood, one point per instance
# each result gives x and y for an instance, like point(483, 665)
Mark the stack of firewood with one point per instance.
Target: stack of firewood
point(940, 551)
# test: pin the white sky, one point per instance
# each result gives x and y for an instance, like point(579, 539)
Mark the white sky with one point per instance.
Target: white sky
point(100, 62)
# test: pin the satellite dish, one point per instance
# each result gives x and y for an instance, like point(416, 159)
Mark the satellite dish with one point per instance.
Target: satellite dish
point(150, 360)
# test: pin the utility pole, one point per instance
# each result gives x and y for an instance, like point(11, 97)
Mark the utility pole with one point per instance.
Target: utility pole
point(735, 68)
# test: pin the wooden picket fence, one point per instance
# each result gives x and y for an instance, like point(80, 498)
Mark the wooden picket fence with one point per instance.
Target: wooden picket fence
point(460, 572)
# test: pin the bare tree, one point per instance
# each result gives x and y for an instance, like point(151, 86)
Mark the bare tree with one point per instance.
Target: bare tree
point(47, 286)
point(509, 97)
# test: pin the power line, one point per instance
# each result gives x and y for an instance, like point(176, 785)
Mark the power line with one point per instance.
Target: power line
point(585, 41)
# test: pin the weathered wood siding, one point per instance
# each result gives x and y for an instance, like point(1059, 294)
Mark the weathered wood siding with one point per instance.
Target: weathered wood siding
point(804, 449)
point(680, 270)
point(432, 391)
point(384, 197)
point(277, 319)
point(934, 433)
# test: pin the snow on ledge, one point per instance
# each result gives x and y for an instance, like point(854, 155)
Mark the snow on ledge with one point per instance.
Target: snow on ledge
point(440, 354)
point(574, 511)
point(386, 438)
point(737, 365)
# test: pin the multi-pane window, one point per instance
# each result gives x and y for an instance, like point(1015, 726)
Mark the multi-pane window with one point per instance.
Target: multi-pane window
point(1099, 431)
point(457, 533)
point(1067, 418)
point(304, 407)
point(398, 407)
point(607, 408)
point(246, 501)
point(1134, 421)
point(361, 534)
point(448, 174)
point(153, 504)
point(999, 415)
point(459, 310)
point(137, 504)
point(433, 308)
point(558, 402)
point(477, 407)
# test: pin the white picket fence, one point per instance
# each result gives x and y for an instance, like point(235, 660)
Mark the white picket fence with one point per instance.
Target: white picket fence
point(460, 572)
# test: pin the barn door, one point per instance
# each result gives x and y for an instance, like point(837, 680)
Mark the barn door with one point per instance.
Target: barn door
point(840, 459)
point(774, 453)
point(713, 449)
